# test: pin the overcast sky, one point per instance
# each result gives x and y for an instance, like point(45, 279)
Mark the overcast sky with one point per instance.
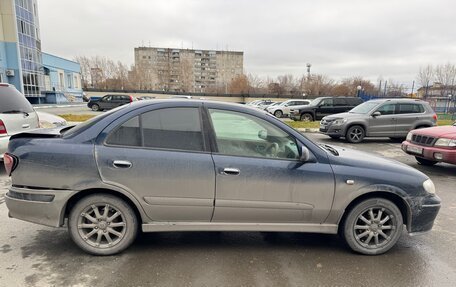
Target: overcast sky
point(388, 39)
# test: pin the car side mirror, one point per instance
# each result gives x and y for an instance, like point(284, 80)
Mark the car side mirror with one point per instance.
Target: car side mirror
point(305, 154)
point(376, 114)
point(263, 134)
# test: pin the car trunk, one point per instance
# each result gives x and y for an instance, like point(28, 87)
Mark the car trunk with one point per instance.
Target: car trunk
point(19, 122)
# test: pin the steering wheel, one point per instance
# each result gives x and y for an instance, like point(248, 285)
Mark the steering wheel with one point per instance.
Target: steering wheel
point(272, 150)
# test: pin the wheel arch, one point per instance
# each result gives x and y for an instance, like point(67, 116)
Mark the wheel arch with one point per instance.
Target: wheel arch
point(403, 206)
point(84, 193)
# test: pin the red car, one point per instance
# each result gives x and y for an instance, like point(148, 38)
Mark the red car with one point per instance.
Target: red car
point(432, 145)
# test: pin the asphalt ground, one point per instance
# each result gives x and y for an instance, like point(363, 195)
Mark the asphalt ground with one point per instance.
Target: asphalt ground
point(34, 255)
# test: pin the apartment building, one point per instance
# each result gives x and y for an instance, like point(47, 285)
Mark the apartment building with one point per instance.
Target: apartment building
point(187, 70)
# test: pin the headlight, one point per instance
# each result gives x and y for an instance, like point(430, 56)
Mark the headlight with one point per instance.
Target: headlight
point(409, 137)
point(428, 185)
point(445, 142)
point(339, 122)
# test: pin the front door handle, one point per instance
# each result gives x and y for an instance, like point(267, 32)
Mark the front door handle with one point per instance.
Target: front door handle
point(231, 171)
point(121, 164)
point(25, 126)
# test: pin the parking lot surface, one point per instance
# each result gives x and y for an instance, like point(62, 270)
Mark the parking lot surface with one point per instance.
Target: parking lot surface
point(34, 255)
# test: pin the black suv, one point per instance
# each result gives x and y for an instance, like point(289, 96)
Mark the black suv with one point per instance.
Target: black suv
point(109, 102)
point(324, 106)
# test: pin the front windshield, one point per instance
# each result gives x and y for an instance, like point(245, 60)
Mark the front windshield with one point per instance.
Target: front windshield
point(364, 108)
point(315, 102)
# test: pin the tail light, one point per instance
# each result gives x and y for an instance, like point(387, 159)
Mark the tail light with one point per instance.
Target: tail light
point(2, 128)
point(10, 162)
point(435, 117)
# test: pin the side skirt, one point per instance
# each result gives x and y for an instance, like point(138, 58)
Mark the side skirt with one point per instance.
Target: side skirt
point(229, 226)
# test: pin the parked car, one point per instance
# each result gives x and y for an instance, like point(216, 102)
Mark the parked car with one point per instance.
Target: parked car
point(260, 104)
point(48, 120)
point(109, 102)
point(208, 166)
point(181, 97)
point(432, 145)
point(392, 118)
point(145, 98)
point(324, 106)
point(283, 109)
point(16, 115)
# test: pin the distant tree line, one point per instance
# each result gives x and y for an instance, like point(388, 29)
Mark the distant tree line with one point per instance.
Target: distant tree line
point(100, 72)
point(444, 75)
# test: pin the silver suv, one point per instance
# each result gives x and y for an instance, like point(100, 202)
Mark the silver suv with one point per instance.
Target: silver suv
point(16, 115)
point(392, 118)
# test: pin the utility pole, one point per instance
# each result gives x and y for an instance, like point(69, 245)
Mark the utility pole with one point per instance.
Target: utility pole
point(413, 87)
point(308, 65)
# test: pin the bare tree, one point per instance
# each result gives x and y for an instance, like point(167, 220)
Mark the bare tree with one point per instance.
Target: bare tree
point(445, 75)
point(424, 78)
point(239, 85)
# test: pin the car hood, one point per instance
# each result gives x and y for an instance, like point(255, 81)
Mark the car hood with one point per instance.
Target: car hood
point(437, 132)
point(377, 166)
point(343, 116)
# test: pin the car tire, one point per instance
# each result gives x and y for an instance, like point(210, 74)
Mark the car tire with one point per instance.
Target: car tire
point(373, 226)
point(355, 134)
point(278, 114)
point(306, 117)
point(424, 161)
point(101, 231)
point(95, 107)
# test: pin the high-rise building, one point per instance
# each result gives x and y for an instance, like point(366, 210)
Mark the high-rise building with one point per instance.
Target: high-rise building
point(185, 70)
point(21, 58)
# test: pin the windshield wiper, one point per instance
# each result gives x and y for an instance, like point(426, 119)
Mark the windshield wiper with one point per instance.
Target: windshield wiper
point(15, 112)
point(330, 148)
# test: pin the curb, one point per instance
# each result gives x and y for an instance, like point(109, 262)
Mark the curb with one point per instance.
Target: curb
point(308, 130)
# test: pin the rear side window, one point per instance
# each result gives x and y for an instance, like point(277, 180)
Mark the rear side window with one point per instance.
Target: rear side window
point(171, 128)
point(340, 102)
point(410, 108)
point(12, 101)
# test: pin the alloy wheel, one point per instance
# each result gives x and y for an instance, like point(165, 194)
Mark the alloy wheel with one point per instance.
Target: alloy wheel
point(101, 225)
point(375, 227)
point(356, 134)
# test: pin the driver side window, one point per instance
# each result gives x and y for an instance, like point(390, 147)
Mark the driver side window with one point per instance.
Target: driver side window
point(241, 134)
point(387, 109)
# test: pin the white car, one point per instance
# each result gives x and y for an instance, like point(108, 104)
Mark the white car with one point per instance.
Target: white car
point(50, 121)
point(16, 115)
point(283, 109)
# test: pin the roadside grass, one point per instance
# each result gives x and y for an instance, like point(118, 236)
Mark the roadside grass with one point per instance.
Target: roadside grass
point(76, 118)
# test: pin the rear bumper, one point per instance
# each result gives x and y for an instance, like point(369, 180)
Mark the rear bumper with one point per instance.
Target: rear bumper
point(3, 146)
point(423, 215)
point(429, 152)
point(44, 207)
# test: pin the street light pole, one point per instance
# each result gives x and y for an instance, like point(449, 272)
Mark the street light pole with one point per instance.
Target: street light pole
point(358, 90)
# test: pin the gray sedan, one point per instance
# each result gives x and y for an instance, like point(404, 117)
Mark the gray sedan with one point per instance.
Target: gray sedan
point(185, 165)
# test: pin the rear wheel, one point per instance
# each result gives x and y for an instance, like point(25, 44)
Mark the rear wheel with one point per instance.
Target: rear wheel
point(278, 114)
point(355, 134)
point(102, 224)
point(306, 117)
point(424, 161)
point(95, 107)
point(373, 226)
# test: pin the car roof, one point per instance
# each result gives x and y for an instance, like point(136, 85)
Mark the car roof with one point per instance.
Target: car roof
point(397, 100)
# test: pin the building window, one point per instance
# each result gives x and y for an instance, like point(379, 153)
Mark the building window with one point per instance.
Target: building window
point(69, 81)
point(61, 81)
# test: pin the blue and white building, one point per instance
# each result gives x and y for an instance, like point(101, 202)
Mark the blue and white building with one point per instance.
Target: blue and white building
point(22, 62)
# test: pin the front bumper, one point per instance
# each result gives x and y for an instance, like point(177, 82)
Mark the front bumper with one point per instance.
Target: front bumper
point(3, 146)
point(41, 206)
point(423, 215)
point(332, 130)
point(429, 152)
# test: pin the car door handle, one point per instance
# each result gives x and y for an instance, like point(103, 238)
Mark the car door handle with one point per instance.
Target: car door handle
point(121, 164)
point(231, 171)
point(25, 126)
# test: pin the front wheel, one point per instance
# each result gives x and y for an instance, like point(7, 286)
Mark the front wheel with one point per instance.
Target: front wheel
point(102, 224)
point(424, 161)
point(95, 107)
point(373, 226)
point(306, 117)
point(278, 114)
point(355, 134)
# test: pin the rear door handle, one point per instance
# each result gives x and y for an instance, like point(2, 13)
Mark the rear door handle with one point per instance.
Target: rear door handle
point(231, 171)
point(25, 126)
point(121, 164)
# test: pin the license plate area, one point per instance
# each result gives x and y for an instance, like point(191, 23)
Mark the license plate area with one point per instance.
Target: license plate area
point(415, 150)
